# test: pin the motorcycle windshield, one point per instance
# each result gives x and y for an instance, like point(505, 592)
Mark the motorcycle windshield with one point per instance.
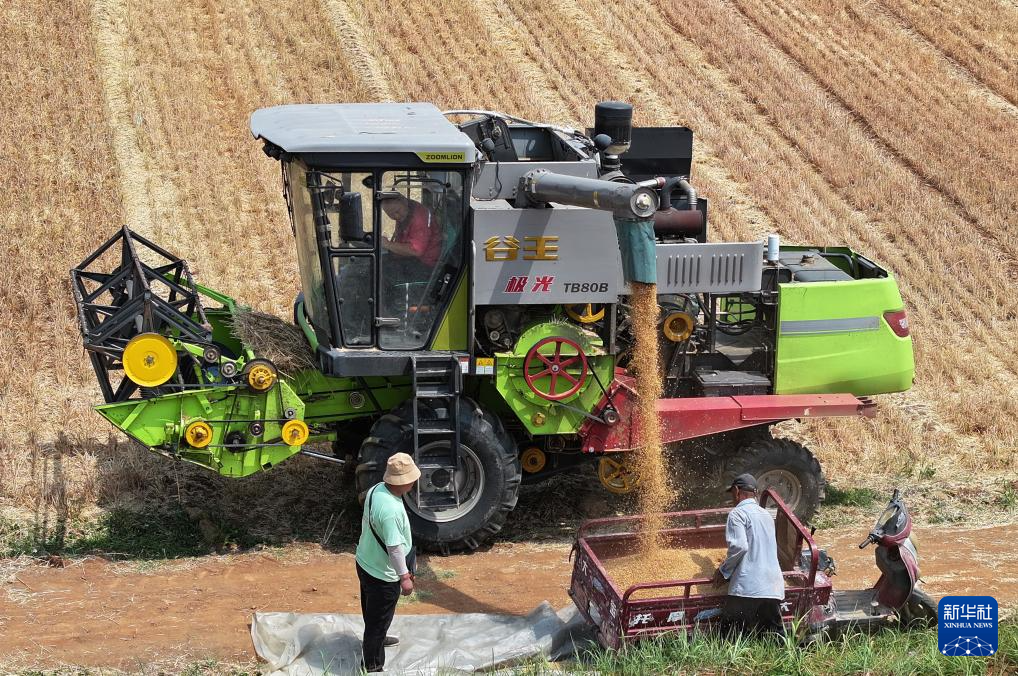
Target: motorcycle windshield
point(893, 519)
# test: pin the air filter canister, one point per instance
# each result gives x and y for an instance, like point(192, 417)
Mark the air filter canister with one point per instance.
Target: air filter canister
point(615, 119)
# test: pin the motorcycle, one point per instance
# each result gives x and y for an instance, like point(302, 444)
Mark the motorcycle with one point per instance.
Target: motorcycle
point(896, 593)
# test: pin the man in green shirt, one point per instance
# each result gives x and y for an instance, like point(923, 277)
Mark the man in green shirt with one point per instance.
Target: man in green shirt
point(385, 555)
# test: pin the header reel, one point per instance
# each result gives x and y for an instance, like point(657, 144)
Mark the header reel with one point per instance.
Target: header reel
point(126, 314)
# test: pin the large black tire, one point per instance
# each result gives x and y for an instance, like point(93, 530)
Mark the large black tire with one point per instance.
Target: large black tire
point(786, 466)
point(482, 436)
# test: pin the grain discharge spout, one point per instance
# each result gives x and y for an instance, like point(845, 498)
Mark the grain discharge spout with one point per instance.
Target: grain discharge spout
point(631, 204)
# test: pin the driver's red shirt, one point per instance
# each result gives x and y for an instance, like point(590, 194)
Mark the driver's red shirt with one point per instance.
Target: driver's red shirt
point(421, 232)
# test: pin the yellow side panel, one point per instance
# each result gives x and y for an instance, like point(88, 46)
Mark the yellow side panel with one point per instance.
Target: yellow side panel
point(452, 332)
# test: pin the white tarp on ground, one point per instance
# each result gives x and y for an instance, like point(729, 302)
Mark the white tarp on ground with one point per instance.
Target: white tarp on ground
point(314, 644)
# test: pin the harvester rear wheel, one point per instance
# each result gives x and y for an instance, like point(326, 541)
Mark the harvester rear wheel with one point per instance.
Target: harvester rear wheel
point(785, 466)
point(490, 465)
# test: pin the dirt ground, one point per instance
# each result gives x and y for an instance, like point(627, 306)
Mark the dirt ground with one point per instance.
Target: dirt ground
point(93, 612)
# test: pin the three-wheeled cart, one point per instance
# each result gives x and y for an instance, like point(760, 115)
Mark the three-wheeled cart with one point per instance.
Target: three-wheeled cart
point(657, 606)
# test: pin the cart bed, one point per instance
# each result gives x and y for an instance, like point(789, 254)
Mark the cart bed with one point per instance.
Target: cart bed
point(661, 605)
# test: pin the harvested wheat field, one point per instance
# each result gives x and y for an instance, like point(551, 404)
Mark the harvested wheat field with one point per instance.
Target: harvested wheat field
point(890, 128)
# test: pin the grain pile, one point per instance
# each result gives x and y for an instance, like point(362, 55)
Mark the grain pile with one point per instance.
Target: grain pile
point(655, 493)
point(664, 564)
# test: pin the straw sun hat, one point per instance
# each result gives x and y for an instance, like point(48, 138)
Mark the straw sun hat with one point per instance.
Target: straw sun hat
point(400, 470)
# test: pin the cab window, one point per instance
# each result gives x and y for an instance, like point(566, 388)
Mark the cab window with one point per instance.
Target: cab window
point(421, 226)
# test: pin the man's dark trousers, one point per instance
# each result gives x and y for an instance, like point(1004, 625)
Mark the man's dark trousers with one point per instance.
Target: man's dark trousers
point(745, 615)
point(378, 605)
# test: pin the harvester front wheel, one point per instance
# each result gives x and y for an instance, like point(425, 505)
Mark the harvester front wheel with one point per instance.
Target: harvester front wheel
point(785, 466)
point(490, 481)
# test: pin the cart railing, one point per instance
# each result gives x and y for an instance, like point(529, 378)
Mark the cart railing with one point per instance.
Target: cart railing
point(696, 515)
point(804, 535)
point(805, 579)
point(801, 578)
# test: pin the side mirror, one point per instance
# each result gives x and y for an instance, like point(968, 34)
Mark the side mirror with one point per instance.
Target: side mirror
point(351, 217)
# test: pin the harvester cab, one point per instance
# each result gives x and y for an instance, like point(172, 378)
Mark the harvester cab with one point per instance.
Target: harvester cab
point(465, 281)
point(380, 219)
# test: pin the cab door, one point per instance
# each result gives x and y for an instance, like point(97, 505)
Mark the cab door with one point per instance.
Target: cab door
point(343, 205)
point(420, 217)
point(379, 252)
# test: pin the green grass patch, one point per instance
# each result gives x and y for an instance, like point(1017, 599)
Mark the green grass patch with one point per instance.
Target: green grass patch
point(885, 652)
point(419, 596)
point(442, 574)
point(850, 497)
point(1008, 495)
point(213, 667)
point(121, 533)
point(427, 571)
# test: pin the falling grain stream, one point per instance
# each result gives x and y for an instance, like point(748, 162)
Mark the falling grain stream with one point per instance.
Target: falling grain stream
point(654, 489)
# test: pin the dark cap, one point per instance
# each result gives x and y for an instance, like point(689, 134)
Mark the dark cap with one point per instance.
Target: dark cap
point(745, 482)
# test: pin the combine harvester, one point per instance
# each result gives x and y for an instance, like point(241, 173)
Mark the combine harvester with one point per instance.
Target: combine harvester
point(465, 287)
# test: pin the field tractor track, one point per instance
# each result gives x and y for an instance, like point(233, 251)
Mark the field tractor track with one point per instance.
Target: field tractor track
point(353, 41)
point(981, 37)
point(993, 95)
point(109, 19)
point(950, 195)
point(504, 34)
point(869, 233)
point(827, 33)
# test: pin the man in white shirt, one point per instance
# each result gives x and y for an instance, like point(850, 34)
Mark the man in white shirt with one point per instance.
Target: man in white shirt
point(756, 586)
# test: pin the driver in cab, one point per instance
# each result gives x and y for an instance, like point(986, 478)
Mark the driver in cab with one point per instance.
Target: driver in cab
point(417, 237)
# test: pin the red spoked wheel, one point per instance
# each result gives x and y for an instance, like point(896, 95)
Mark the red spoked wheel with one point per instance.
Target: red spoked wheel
point(537, 367)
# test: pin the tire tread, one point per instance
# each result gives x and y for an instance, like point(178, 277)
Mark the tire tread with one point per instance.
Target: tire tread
point(390, 434)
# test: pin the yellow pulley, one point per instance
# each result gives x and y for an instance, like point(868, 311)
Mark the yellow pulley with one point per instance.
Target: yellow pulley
point(678, 326)
point(533, 460)
point(149, 359)
point(198, 434)
point(261, 375)
point(616, 475)
point(585, 313)
point(295, 433)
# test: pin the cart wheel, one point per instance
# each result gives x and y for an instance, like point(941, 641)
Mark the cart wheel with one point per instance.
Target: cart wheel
point(786, 467)
point(920, 610)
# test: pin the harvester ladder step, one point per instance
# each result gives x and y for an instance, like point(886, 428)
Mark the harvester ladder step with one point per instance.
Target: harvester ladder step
point(436, 382)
